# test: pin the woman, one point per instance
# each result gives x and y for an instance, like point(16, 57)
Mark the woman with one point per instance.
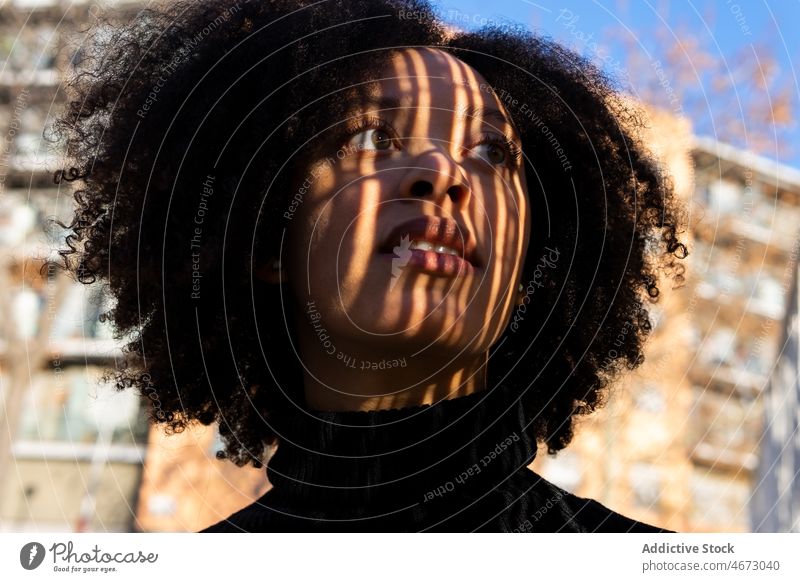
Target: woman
point(402, 255)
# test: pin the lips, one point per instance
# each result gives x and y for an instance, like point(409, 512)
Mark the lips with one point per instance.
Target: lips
point(436, 231)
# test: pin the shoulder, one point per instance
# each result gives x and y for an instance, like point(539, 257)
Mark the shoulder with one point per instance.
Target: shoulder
point(596, 517)
point(592, 516)
point(255, 517)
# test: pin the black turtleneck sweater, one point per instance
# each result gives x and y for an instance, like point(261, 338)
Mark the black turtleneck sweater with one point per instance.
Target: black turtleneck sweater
point(456, 466)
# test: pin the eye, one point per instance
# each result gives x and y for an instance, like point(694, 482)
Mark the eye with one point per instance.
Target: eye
point(372, 139)
point(492, 152)
point(497, 150)
point(371, 134)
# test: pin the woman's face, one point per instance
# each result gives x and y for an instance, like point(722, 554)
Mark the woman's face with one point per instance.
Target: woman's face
point(411, 235)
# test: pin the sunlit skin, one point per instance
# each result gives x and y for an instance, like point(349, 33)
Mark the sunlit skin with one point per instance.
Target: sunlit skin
point(428, 161)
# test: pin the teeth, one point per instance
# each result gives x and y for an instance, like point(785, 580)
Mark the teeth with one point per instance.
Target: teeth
point(426, 246)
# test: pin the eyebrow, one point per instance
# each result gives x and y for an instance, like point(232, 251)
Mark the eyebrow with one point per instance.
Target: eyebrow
point(379, 102)
point(390, 102)
point(485, 113)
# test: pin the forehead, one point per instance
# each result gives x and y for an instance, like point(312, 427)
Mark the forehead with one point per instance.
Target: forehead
point(421, 76)
point(431, 78)
point(434, 64)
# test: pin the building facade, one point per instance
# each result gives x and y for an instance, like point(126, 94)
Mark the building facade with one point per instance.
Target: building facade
point(679, 443)
point(78, 450)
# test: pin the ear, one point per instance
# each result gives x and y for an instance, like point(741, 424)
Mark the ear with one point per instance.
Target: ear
point(270, 271)
point(520, 295)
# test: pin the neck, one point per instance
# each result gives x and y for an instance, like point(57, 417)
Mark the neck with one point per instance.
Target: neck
point(352, 464)
point(376, 380)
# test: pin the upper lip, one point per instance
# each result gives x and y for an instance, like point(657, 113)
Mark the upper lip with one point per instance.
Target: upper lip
point(435, 230)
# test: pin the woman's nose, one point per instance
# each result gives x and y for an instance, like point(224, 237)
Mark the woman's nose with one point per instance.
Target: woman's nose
point(436, 175)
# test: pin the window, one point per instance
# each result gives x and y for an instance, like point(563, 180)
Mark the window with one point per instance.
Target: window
point(71, 405)
point(724, 196)
point(30, 48)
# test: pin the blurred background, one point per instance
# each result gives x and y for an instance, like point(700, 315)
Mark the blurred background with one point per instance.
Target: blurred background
point(703, 437)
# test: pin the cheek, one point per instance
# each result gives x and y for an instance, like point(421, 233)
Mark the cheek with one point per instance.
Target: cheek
point(507, 226)
point(519, 216)
point(524, 220)
point(336, 233)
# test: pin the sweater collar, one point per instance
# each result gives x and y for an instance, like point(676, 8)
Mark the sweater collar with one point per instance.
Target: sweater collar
point(417, 454)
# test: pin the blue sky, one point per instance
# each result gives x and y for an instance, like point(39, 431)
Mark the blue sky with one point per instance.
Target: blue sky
point(601, 30)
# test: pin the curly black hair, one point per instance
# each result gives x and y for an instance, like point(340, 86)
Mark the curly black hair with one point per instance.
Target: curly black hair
point(223, 98)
